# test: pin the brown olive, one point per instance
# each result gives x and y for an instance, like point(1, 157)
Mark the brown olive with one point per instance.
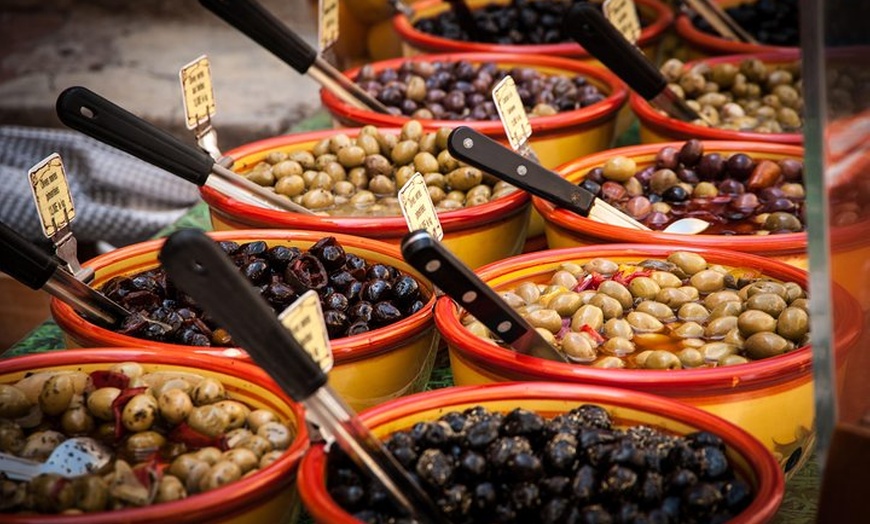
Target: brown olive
point(236, 411)
point(139, 446)
point(139, 413)
point(77, 421)
point(258, 417)
point(209, 454)
point(277, 434)
point(175, 405)
point(56, 394)
point(40, 444)
point(208, 420)
point(269, 457)
point(255, 443)
point(13, 402)
point(92, 493)
point(170, 488)
point(244, 458)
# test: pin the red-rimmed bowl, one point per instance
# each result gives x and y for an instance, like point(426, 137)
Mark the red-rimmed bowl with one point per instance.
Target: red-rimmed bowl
point(415, 42)
point(477, 235)
point(751, 460)
point(369, 368)
point(555, 139)
point(772, 398)
point(699, 44)
point(566, 229)
point(268, 495)
point(656, 127)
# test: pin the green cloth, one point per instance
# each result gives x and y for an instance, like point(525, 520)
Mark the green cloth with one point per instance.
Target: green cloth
point(802, 491)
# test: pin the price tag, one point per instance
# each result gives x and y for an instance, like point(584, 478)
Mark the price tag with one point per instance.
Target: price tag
point(327, 26)
point(196, 87)
point(623, 15)
point(511, 112)
point(51, 194)
point(417, 207)
point(304, 318)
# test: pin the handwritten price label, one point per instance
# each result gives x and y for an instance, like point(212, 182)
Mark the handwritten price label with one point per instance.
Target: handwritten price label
point(198, 93)
point(511, 112)
point(327, 27)
point(417, 207)
point(304, 318)
point(623, 15)
point(51, 194)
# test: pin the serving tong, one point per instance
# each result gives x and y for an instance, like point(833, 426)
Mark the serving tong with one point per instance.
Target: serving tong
point(459, 282)
point(85, 111)
point(596, 34)
point(484, 153)
point(263, 27)
point(203, 271)
point(719, 20)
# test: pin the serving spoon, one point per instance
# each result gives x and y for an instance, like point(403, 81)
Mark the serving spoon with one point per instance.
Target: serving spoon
point(73, 457)
point(484, 153)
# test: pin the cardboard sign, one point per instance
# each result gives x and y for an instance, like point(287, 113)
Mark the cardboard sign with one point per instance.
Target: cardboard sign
point(198, 93)
point(51, 194)
point(327, 26)
point(417, 207)
point(511, 112)
point(304, 318)
point(623, 15)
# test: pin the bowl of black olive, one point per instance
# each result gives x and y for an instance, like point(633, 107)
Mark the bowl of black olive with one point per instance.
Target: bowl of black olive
point(547, 452)
point(191, 438)
point(774, 24)
point(377, 309)
point(572, 106)
point(515, 26)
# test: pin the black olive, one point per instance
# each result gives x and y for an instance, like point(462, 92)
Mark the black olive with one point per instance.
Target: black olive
point(352, 290)
point(523, 466)
point(594, 514)
point(592, 416)
point(584, 486)
point(628, 512)
point(554, 511)
point(737, 495)
point(504, 513)
point(406, 290)
point(376, 290)
point(472, 465)
point(329, 252)
point(193, 338)
point(385, 313)
point(361, 311)
point(701, 499)
point(435, 467)
point(255, 248)
point(523, 422)
point(455, 502)
point(675, 194)
point(358, 327)
point(525, 496)
point(280, 295)
point(592, 187)
point(500, 451)
point(304, 273)
point(348, 496)
point(681, 479)
point(228, 246)
point(712, 461)
point(651, 489)
point(280, 256)
point(437, 434)
point(341, 279)
point(335, 301)
point(484, 497)
point(141, 300)
point(672, 507)
point(257, 271)
point(336, 323)
point(560, 453)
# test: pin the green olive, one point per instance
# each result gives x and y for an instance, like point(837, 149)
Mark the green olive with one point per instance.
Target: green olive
point(726, 309)
point(529, 292)
point(619, 168)
point(425, 163)
point(246, 459)
point(564, 279)
point(609, 362)
point(754, 321)
point(690, 357)
point(411, 130)
point(291, 186)
point(793, 324)
point(618, 346)
point(182, 465)
point(318, 199)
point(577, 348)
point(11, 437)
point(708, 281)
point(209, 454)
point(735, 338)
point(587, 315)
point(644, 322)
point(139, 413)
point(713, 300)
point(765, 344)
point(338, 142)
point(545, 318)
point(660, 311)
point(336, 172)
point(770, 303)
point(351, 156)
point(368, 143)
point(275, 157)
point(566, 304)
point(382, 185)
point(258, 417)
point(715, 351)
point(692, 311)
point(51, 493)
point(717, 328)
point(237, 412)
point(13, 402)
point(208, 420)
point(446, 163)
point(609, 305)
point(644, 288)
point(255, 443)
point(404, 152)
point(661, 359)
point(673, 297)
point(618, 327)
point(170, 488)
point(733, 360)
point(690, 263)
point(143, 444)
point(363, 199)
point(261, 177)
point(601, 265)
point(277, 434)
point(56, 394)
point(92, 493)
point(689, 330)
point(39, 445)
point(208, 391)
point(175, 405)
point(618, 291)
point(324, 160)
point(269, 457)
point(464, 178)
point(666, 279)
point(77, 421)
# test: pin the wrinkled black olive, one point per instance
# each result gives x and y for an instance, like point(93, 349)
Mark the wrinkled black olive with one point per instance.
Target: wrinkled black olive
point(435, 467)
point(304, 273)
point(329, 252)
point(456, 501)
point(522, 422)
point(712, 461)
point(561, 453)
point(341, 279)
point(524, 466)
point(255, 248)
point(229, 247)
point(484, 496)
point(385, 313)
point(335, 301)
point(592, 416)
point(376, 290)
point(336, 323)
point(280, 256)
point(358, 327)
point(585, 484)
point(257, 271)
point(349, 496)
point(406, 290)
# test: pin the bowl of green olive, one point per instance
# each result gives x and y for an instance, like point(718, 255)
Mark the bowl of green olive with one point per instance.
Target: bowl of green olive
point(349, 179)
point(193, 438)
point(756, 97)
point(725, 331)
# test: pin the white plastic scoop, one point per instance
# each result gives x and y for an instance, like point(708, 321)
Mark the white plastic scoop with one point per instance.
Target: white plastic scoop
point(71, 458)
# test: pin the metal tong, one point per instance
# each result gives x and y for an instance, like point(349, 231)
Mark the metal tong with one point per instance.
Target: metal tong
point(261, 26)
point(719, 20)
point(202, 270)
point(459, 282)
point(36, 269)
point(596, 34)
point(85, 111)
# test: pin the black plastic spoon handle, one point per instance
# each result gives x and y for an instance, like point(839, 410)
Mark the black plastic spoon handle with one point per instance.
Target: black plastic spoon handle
point(459, 282)
point(200, 268)
point(601, 39)
point(85, 111)
point(24, 261)
point(486, 154)
point(262, 27)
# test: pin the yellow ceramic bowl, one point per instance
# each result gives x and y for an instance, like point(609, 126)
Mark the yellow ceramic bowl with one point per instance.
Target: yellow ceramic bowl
point(699, 44)
point(477, 235)
point(772, 398)
point(752, 462)
point(266, 496)
point(656, 127)
point(566, 229)
point(369, 368)
point(555, 139)
point(415, 42)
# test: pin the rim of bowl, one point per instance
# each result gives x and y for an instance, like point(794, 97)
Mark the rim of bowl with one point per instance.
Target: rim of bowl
point(211, 504)
point(575, 169)
point(369, 227)
point(679, 383)
point(668, 126)
point(559, 123)
point(345, 350)
point(771, 483)
point(663, 17)
point(687, 31)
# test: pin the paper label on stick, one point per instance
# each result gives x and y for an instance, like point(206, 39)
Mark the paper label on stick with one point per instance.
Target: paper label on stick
point(327, 27)
point(623, 15)
point(198, 93)
point(511, 112)
point(51, 194)
point(417, 207)
point(304, 318)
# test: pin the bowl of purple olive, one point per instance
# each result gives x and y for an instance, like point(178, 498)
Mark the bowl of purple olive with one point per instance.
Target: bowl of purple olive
point(751, 193)
point(377, 309)
point(547, 452)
